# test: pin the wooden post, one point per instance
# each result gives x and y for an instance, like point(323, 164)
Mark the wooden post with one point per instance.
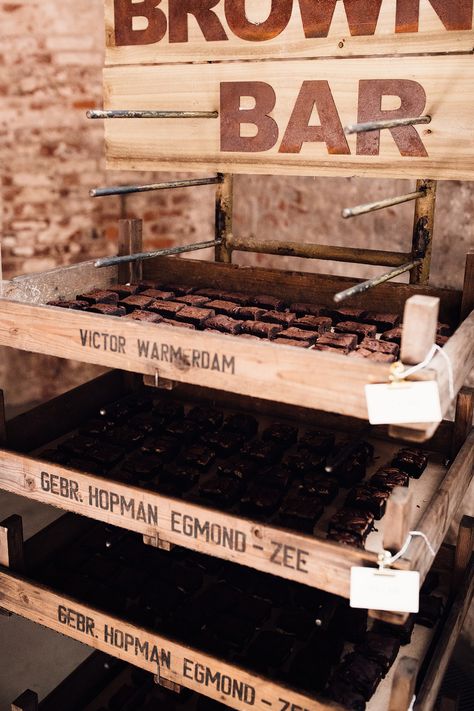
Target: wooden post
point(398, 518)
point(130, 242)
point(464, 547)
point(422, 244)
point(11, 544)
point(3, 421)
point(420, 321)
point(463, 419)
point(224, 217)
point(157, 542)
point(403, 686)
point(391, 618)
point(28, 701)
point(467, 304)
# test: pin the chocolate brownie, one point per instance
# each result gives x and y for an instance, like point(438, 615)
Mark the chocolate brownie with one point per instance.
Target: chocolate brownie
point(277, 477)
point(261, 329)
point(298, 623)
point(237, 297)
point(388, 478)
point(196, 316)
point(158, 294)
point(432, 581)
point(372, 344)
point(165, 308)
point(260, 500)
point(352, 470)
point(346, 538)
point(324, 488)
point(228, 308)
point(393, 335)
point(264, 452)
point(382, 321)
point(168, 410)
point(321, 324)
point(302, 309)
point(299, 334)
point(241, 422)
point(180, 289)
point(346, 695)
point(358, 523)
point(221, 490)
point(223, 324)
point(375, 356)
point(242, 469)
point(368, 498)
point(183, 429)
point(361, 673)
point(344, 341)
point(77, 445)
point(107, 310)
point(285, 318)
point(402, 632)
point(76, 305)
point(183, 477)
point(361, 330)
point(283, 434)
point(411, 461)
point(330, 349)
point(443, 329)
point(130, 303)
point(99, 296)
point(300, 513)
point(271, 647)
point(292, 342)
point(225, 442)
point(344, 314)
point(146, 316)
point(267, 302)
point(161, 446)
point(249, 313)
point(192, 300)
point(304, 462)
point(317, 441)
point(380, 648)
point(207, 418)
point(124, 290)
point(178, 324)
point(124, 436)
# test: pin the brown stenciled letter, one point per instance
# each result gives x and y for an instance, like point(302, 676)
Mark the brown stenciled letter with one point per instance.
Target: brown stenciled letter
point(454, 14)
point(413, 102)
point(277, 21)
point(125, 11)
point(315, 93)
point(206, 18)
point(233, 116)
point(317, 15)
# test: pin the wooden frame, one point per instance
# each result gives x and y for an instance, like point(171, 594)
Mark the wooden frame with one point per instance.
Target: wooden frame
point(25, 597)
point(262, 369)
point(321, 564)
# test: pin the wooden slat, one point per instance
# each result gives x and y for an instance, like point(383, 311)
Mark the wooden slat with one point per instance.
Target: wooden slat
point(399, 517)
point(443, 151)
point(420, 319)
point(464, 549)
point(3, 421)
point(391, 34)
point(463, 419)
point(403, 685)
point(11, 543)
point(468, 289)
point(176, 663)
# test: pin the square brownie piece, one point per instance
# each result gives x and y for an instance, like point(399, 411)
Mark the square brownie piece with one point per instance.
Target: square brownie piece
point(402, 632)
point(76, 305)
point(368, 498)
point(241, 422)
point(223, 324)
point(325, 488)
point(260, 500)
point(158, 294)
point(261, 329)
point(301, 514)
point(198, 456)
point(99, 296)
point(375, 356)
point(267, 302)
point(345, 538)
point(361, 330)
point(361, 673)
point(388, 478)
point(225, 442)
point(192, 300)
point(411, 461)
point(357, 523)
point(317, 441)
point(382, 321)
point(168, 309)
point(145, 316)
point(393, 335)
point(124, 290)
point(285, 318)
point(107, 310)
point(180, 289)
point(263, 452)
point(303, 309)
point(381, 648)
point(206, 418)
point(178, 324)
point(344, 341)
point(376, 346)
point(346, 314)
point(298, 334)
point(242, 469)
point(237, 297)
point(227, 308)
point(223, 491)
point(304, 462)
point(195, 316)
point(292, 342)
point(130, 303)
point(431, 609)
point(249, 313)
point(282, 433)
point(321, 324)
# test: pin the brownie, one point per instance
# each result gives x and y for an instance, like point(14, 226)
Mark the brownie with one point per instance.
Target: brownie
point(325, 489)
point(345, 695)
point(431, 609)
point(344, 341)
point(198, 456)
point(185, 430)
point(302, 309)
point(221, 490)
point(178, 324)
point(252, 608)
point(130, 303)
point(179, 289)
point(360, 672)
point(260, 500)
point(298, 623)
point(249, 313)
point(196, 316)
point(411, 461)
point(146, 316)
point(225, 442)
point(300, 513)
point(368, 498)
point(380, 648)
point(237, 296)
point(372, 344)
point(330, 349)
point(311, 666)
point(106, 455)
point(99, 296)
point(165, 308)
point(358, 523)
point(243, 423)
point(223, 324)
point(283, 434)
point(270, 647)
point(210, 293)
point(361, 330)
point(228, 308)
point(192, 300)
point(388, 478)
point(382, 321)
point(321, 324)
point(158, 294)
point(402, 632)
point(350, 623)
point(232, 630)
point(346, 314)
point(441, 341)
point(393, 335)
point(373, 355)
point(267, 302)
point(124, 290)
point(284, 318)
point(351, 471)
point(77, 445)
point(243, 469)
point(107, 310)
point(207, 418)
point(168, 410)
point(346, 538)
point(124, 436)
point(317, 441)
point(443, 329)
point(76, 305)
point(161, 446)
point(183, 477)
point(304, 462)
point(264, 452)
point(261, 329)
point(299, 334)
point(292, 342)
point(55, 456)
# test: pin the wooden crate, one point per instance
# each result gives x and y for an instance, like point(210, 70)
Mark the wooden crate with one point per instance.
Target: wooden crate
point(261, 369)
point(21, 594)
point(434, 499)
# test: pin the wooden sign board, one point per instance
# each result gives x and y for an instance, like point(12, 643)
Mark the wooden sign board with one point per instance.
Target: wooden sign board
point(288, 117)
point(157, 31)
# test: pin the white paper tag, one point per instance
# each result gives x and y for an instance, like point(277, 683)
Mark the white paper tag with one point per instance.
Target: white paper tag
point(405, 402)
point(389, 590)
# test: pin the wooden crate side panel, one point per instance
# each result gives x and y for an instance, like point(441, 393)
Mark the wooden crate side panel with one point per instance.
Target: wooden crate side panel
point(344, 91)
point(169, 660)
point(376, 29)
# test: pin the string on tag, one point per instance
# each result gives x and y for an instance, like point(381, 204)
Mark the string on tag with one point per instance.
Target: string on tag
point(400, 372)
point(387, 559)
point(412, 705)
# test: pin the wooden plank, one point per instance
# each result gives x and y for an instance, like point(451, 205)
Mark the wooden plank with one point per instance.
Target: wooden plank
point(3, 421)
point(399, 517)
point(11, 543)
point(439, 661)
point(420, 320)
point(130, 242)
point(468, 289)
point(283, 138)
point(174, 662)
point(463, 420)
point(403, 686)
point(464, 548)
point(238, 30)
point(423, 227)
point(224, 217)
point(28, 701)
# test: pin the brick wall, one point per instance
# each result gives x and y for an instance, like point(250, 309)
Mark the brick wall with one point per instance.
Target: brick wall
point(51, 54)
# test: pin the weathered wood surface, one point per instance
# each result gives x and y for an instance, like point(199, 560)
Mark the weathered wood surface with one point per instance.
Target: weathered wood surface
point(334, 29)
point(287, 142)
point(399, 518)
point(174, 662)
point(403, 686)
point(420, 319)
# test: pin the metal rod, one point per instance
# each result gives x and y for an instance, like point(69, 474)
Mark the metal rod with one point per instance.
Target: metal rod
point(224, 217)
point(381, 204)
point(423, 229)
point(128, 258)
point(352, 255)
point(385, 123)
point(150, 114)
point(130, 189)
point(371, 283)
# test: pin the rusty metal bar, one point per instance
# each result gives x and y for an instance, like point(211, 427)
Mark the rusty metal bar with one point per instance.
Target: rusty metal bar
point(423, 227)
point(385, 123)
point(130, 189)
point(150, 114)
point(224, 217)
point(381, 204)
point(371, 283)
point(169, 251)
point(353, 255)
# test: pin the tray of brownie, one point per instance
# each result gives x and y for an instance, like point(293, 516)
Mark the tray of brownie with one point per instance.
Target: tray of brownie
point(272, 334)
point(278, 489)
point(240, 637)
